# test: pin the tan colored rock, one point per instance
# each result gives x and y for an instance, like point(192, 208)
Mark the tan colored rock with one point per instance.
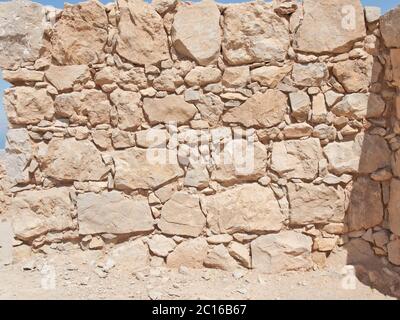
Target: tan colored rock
point(196, 32)
point(395, 60)
point(315, 204)
point(340, 24)
point(286, 251)
point(365, 212)
point(130, 115)
point(122, 139)
point(240, 161)
point(71, 160)
point(241, 253)
point(319, 111)
point(261, 110)
point(353, 106)
point(130, 257)
point(297, 130)
point(324, 244)
point(64, 77)
point(344, 157)
point(190, 253)
point(297, 158)
point(26, 105)
point(394, 207)
point(201, 76)
point(300, 104)
point(394, 252)
point(197, 177)
point(36, 212)
point(168, 81)
point(152, 138)
point(142, 37)
point(22, 24)
point(18, 153)
point(160, 245)
point(270, 76)
point(80, 34)
point(112, 212)
point(137, 169)
point(375, 153)
point(240, 210)
point(390, 28)
point(172, 108)
point(219, 238)
point(253, 32)
point(163, 6)
point(88, 105)
point(182, 215)
point(219, 258)
point(236, 77)
point(22, 76)
point(353, 75)
point(310, 75)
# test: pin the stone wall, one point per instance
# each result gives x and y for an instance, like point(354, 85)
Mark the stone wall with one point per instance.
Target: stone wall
point(256, 135)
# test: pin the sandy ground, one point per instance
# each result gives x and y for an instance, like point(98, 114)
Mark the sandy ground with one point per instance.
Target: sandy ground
point(75, 275)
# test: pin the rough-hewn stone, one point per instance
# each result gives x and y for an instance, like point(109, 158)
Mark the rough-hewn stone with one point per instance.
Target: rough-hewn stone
point(196, 33)
point(112, 212)
point(239, 210)
point(253, 32)
point(286, 251)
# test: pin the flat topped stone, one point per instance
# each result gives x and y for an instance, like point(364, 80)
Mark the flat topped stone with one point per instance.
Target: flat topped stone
point(330, 26)
point(22, 25)
point(196, 32)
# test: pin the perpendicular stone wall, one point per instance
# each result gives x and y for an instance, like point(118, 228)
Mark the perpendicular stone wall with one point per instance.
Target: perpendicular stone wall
point(256, 135)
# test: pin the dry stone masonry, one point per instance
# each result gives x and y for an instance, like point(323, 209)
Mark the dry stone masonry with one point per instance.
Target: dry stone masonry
point(255, 135)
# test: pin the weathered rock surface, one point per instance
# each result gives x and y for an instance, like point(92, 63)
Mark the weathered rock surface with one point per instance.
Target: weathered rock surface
point(310, 75)
point(80, 34)
point(41, 212)
point(138, 169)
point(161, 245)
point(239, 210)
point(394, 206)
point(390, 28)
point(253, 32)
point(90, 106)
point(142, 37)
point(130, 257)
point(190, 253)
point(261, 110)
point(172, 108)
point(340, 24)
point(297, 158)
point(365, 211)
point(112, 212)
point(196, 32)
point(354, 75)
point(64, 78)
point(286, 251)
point(240, 160)
point(270, 76)
point(27, 105)
point(22, 24)
point(182, 215)
point(311, 204)
point(72, 160)
point(130, 114)
point(219, 258)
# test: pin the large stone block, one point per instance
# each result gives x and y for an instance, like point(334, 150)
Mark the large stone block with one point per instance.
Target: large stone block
point(142, 37)
point(72, 160)
point(138, 169)
point(22, 25)
point(315, 204)
point(27, 105)
point(390, 28)
point(196, 32)
point(80, 34)
point(240, 210)
point(330, 26)
point(286, 251)
point(297, 158)
point(253, 32)
point(36, 212)
point(112, 212)
point(182, 215)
